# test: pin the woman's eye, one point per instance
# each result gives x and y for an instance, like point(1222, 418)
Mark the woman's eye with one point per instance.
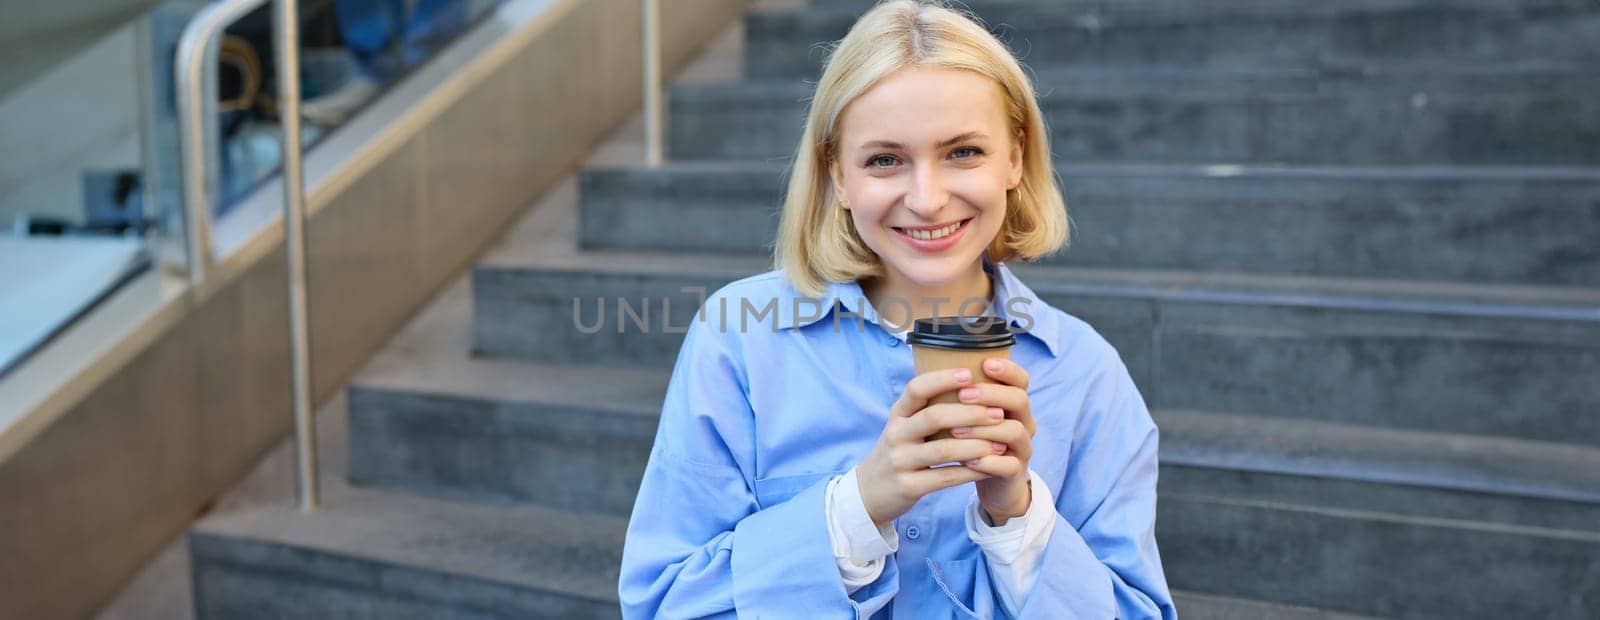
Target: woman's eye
point(974, 151)
point(881, 161)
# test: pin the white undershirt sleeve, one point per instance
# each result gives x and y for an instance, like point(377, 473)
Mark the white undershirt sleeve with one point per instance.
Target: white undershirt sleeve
point(859, 545)
point(1013, 550)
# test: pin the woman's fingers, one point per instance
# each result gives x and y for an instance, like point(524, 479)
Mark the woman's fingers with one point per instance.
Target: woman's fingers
point(922, 388)
point(1009, 432)
point(994, 395)
point(996, 466)
point(924, 455)
point(1006, 371)
point(1012, 399)
point(927, 481)
point(946, 416)
point(899, 470)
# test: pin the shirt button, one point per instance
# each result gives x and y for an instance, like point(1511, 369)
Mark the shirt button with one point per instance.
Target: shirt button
point(894, 342)
point(913, 532)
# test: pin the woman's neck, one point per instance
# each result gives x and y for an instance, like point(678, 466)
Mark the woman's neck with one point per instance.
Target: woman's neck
point(893, 295)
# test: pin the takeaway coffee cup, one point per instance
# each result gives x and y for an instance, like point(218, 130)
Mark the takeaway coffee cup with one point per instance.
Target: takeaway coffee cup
point(958, 342)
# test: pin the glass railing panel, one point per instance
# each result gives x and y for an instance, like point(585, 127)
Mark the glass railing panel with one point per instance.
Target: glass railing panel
point(351, 52)
point(88, 186)
point(91, 190)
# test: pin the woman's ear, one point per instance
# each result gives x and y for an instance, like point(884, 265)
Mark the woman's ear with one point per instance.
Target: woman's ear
point(836, 176)
point(1015, 177)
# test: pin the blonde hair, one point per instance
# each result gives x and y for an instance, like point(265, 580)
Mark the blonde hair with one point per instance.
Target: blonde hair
point(817, 243)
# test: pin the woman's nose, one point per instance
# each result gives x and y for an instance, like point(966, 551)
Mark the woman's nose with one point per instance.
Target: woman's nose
point(927, 193)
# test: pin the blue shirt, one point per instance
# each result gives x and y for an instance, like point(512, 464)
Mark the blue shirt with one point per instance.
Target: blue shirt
point(773, 394)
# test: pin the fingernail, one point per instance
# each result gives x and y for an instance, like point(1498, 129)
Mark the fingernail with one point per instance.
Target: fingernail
point(997, 413)
point(971, 463)
point(963, 375)
point(960, 432)
point(970, 393)
point(992, 364)
point(999, 448)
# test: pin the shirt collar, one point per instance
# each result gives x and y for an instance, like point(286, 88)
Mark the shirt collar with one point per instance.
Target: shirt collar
point(1033, 317)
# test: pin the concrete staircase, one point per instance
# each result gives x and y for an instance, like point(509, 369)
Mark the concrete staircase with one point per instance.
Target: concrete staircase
point(1348, 251)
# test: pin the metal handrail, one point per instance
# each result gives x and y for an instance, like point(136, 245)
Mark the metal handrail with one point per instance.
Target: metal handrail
point(294, 239)
point(195, 69)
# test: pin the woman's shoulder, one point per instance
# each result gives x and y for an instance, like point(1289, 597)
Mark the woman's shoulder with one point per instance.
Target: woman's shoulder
point(772, 283)
point(1067, 335)
point(1079, 353)
point(1086, 358)
point(761, 303)
point(732, 315)
point(1075, 336)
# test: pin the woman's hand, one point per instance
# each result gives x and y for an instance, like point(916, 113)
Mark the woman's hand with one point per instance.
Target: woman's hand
point(1003, 492)
point(899, 471)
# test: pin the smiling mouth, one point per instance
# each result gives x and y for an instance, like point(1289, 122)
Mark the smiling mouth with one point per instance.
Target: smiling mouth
point(932, 234)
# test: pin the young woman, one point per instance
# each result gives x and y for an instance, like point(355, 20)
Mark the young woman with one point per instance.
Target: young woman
point(793, 474)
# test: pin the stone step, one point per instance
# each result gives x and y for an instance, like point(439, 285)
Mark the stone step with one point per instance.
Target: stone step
point(562, 436)
point(493, 431)
point(1508, 482)
point(1376, 564)
point(1389, 502)
point(1232, 35)
point(1197, 606)
point(1488, 360)
point(378, 555)
point(1470, 116)
point(1511, 225)
point(370, 554)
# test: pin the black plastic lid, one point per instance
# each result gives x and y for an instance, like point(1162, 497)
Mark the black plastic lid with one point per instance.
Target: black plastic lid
point(967, 333)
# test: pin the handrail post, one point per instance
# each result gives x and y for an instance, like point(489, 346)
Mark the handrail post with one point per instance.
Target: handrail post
point(190, 80)
point(652, 83)
point(195, 85)
point(195, 71)
point(287, 27)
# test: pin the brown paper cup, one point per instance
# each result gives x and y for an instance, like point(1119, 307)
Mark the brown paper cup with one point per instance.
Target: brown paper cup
point(958, 342)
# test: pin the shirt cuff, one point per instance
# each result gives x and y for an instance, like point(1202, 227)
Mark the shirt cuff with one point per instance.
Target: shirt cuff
point(1013, 550)
point(859, 546)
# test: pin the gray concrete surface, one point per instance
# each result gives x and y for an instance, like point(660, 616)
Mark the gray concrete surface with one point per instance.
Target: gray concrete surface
point(1496, 225)
point(1264, 496)
point(1278, 349)
point(443, 425)
point(1376, 564)
point(1233, 35)
point(1469, 115)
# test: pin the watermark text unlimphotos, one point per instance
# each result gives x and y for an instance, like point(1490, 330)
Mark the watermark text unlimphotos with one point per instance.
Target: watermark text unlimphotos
point(624, 315)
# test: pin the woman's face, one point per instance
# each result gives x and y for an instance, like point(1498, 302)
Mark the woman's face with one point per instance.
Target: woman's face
point(924, 162)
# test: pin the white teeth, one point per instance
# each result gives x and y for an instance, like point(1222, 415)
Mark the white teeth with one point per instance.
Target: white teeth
point(929, 235)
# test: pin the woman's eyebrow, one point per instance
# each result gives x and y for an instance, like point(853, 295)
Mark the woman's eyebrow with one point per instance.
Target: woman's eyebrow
point(971, 135)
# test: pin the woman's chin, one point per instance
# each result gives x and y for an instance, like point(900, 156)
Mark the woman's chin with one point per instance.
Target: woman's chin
point(935, 272)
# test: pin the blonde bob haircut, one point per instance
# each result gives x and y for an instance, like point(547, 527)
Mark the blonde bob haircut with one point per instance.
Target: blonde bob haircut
point(817, 243)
